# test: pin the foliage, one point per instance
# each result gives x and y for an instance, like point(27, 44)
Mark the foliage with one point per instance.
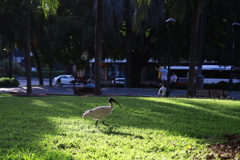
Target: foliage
point(13, 24)
point(45, 74)
point(144, 128)
point(49, 6)
point(220, 16)
point(9, 82)
point(219, 39)
point(16, 68)
point(71, 33)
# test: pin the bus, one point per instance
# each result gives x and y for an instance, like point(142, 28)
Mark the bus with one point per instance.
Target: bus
point(211, 73)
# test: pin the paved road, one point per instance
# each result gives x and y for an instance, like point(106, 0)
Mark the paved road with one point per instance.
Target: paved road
point(68, 90)
point(35, 81)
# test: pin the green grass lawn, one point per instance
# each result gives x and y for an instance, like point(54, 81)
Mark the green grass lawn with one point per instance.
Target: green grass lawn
point(52, 128)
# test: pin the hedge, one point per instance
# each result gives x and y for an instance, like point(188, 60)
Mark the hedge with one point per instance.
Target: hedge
point(9, 82)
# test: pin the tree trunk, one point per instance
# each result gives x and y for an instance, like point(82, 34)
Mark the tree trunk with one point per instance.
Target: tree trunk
point(136, 69)
point(98, 47)
point(193, 49)
point(10, 60)
point(139, 61)
point(128, 44)
point(27, 47)
point(128, 76)
point(200, 77)
point(38, 63)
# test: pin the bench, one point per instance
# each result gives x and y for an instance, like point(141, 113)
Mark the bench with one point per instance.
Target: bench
point(77, 89)
point(202, 93)
point(210, 93)
point(82, 90)
point(79, 80)
point(218, 93)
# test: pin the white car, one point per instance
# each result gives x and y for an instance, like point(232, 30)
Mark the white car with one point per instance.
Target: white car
point(119, 81)
point(63, 79)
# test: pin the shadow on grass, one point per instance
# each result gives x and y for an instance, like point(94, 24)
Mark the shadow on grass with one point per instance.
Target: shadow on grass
point(112, 132)
point(25, 127)
point(26, 122)
point(187, 117)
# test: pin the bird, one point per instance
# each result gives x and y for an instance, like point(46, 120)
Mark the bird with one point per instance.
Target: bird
point(99, 113)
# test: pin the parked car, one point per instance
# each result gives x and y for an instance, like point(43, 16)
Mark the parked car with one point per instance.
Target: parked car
point(119, 81)
point(63, 79)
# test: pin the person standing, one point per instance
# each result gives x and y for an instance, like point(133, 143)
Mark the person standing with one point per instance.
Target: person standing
point(173, 81)
point(164, 73)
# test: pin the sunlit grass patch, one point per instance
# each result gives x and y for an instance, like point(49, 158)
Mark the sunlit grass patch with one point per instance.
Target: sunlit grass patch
point(144, 128)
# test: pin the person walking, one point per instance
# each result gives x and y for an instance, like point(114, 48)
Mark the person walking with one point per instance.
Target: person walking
point(164, 73)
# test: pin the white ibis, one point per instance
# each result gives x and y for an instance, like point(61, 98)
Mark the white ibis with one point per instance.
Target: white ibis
point(99, 113)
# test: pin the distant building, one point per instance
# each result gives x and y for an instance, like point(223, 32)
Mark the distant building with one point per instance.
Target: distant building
point(18, 55)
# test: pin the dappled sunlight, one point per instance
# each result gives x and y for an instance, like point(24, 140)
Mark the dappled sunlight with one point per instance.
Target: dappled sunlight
point(216, 107)
point(152, 127)
point(3, 95)
point(185, 116)
point(213, 106)
point(40, 103)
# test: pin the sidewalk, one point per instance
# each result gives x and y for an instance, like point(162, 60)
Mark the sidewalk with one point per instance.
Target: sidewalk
point(68, 90)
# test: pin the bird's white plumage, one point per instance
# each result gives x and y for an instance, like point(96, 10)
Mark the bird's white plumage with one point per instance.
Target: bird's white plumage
point(98, 112)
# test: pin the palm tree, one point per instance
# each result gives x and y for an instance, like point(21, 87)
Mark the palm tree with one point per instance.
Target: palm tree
point(136, 18)
point(193, 49)
point(98, 46)
point(48, 6)
point(27, 46)
point(178, 8)
point(199, 77)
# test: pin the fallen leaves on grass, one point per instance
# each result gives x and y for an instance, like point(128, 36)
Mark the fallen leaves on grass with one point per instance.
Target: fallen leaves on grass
point(229, 149)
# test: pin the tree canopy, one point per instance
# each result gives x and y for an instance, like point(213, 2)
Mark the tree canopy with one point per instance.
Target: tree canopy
point(134, 30)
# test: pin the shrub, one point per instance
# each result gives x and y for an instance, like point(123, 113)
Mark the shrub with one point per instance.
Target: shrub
point(9, 82)
point(236, 86)
point(16, 68)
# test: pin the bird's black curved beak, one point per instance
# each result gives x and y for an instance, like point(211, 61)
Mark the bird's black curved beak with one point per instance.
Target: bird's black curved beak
point(112, 100)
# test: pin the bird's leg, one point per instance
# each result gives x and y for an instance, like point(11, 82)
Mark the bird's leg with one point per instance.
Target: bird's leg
point(104, 123)
point(96, 123)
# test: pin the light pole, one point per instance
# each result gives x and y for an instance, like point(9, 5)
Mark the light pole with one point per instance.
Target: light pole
point(169, 23)
point(232, 56)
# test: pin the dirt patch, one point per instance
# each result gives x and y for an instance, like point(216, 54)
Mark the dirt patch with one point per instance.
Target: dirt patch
point(229, 149)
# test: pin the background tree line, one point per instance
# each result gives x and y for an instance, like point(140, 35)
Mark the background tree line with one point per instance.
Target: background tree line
point(131, 29)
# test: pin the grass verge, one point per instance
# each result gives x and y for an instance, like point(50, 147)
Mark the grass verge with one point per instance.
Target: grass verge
point(144, 128)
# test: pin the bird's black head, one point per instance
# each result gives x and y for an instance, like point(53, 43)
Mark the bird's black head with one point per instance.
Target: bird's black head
point(110, 100)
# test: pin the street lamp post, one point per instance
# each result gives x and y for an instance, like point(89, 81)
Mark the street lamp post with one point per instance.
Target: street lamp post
point(169, 23)
point(232, 56)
